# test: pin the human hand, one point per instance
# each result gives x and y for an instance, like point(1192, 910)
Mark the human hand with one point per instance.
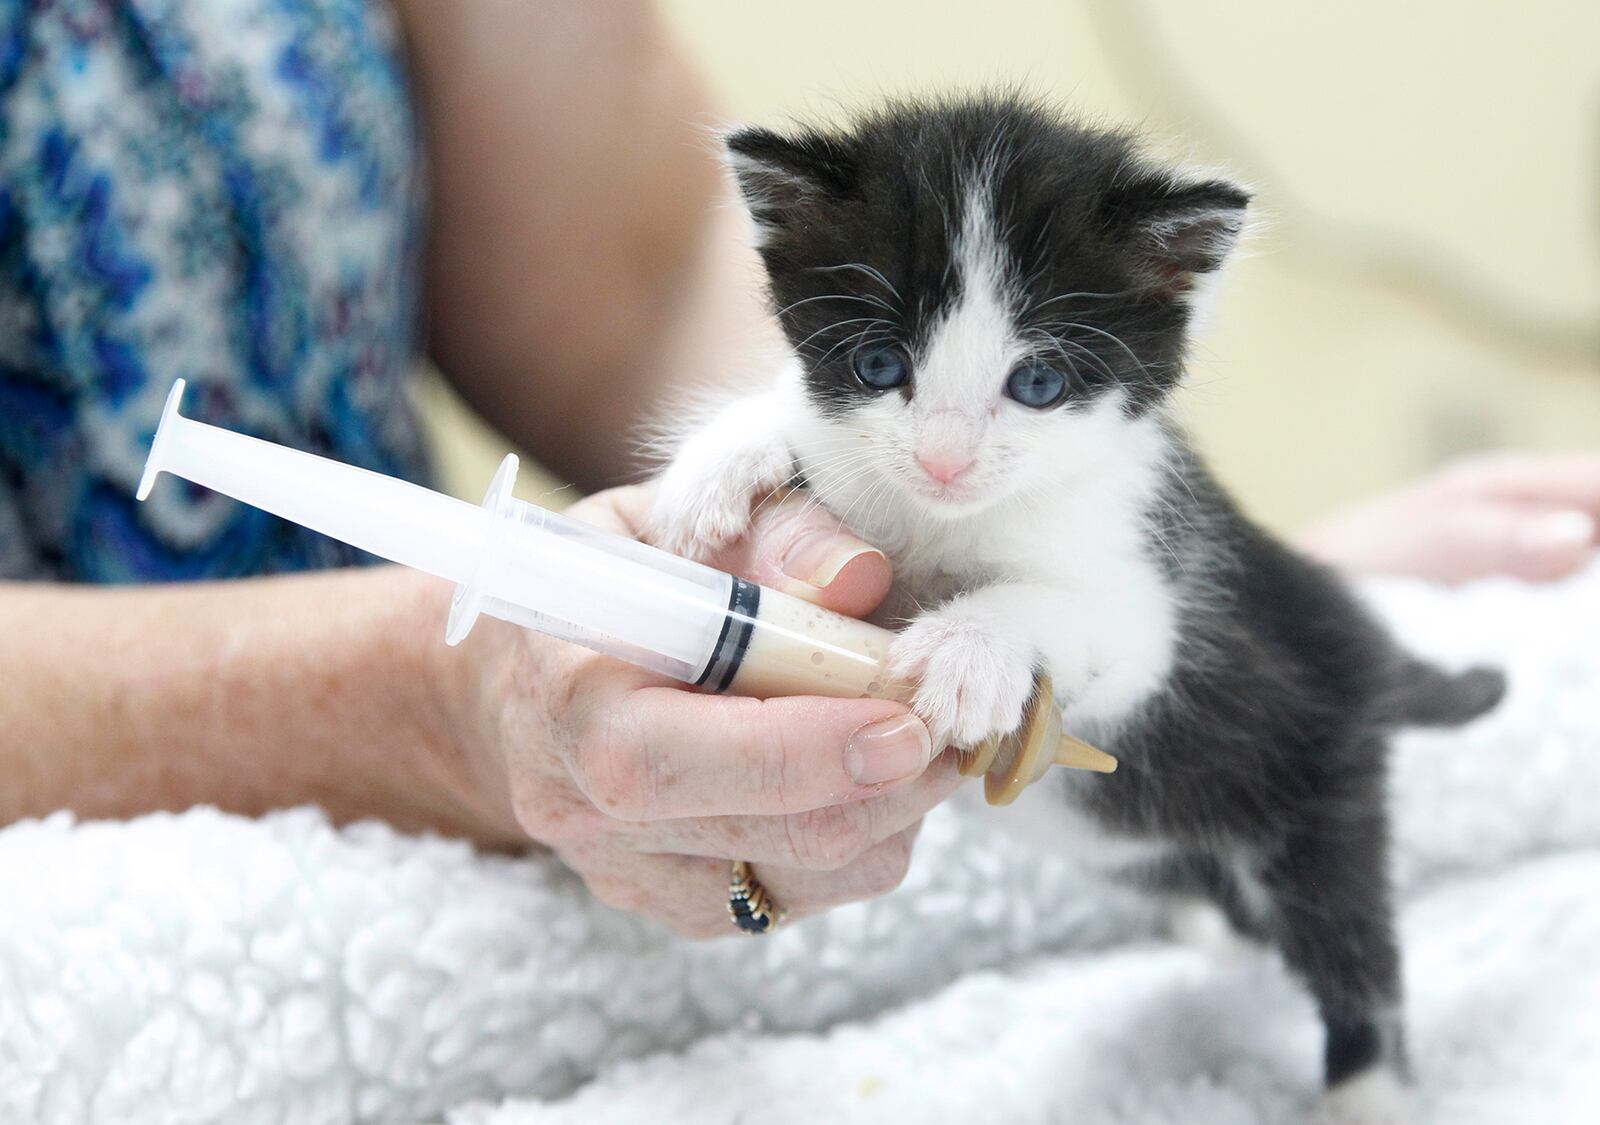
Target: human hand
point(1527, 515)
point(647, 789)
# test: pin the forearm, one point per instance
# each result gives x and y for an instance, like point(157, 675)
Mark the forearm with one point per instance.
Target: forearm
point(583, 254)
point(249, 695)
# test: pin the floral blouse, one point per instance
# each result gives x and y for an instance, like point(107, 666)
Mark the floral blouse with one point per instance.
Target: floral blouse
point(227, 191)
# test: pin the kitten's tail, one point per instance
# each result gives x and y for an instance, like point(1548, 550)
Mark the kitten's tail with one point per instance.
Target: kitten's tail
point(1427, 696)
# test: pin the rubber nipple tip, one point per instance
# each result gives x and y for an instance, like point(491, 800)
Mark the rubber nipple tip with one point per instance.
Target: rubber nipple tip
point(1077, 754)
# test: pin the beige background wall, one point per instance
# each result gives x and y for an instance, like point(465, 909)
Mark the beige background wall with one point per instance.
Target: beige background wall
point(1427, 275)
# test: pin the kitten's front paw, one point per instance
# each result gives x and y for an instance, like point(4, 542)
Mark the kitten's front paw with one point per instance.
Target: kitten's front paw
point(706, 496)
point(973, 678)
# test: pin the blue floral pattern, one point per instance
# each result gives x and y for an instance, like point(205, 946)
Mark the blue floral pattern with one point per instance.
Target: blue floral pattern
point(229, 191)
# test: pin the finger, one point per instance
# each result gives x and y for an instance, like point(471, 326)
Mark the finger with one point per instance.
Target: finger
point(797, 546)
point(621, 510)
point(1551, 544)
point(824, 839)
point(659, 752)
point(794, 545)
point(875, 872)
point(686, 893)
point(1479, 540)
point(690, 894)
point(1543, 480)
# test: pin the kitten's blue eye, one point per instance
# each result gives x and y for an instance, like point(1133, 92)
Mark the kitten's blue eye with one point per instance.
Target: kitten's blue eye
point(1036, 384)
point(881, 367)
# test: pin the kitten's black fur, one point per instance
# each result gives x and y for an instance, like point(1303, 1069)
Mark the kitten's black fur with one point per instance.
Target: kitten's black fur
point(1263, 758)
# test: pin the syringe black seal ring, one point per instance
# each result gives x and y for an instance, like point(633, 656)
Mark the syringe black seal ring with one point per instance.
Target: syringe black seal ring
point(744, 600)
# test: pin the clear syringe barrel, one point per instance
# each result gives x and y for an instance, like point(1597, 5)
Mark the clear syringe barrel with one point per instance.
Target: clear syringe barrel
point(517, 561)
point(677, 617)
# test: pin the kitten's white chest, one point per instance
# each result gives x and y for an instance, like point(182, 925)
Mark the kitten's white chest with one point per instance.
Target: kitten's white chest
point(1105, 609)
point(1070, 568)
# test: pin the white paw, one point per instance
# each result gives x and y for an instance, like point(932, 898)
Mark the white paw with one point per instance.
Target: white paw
point(706, 496)
point(973, 677)
point(1373, 1097)
point(1200, 924)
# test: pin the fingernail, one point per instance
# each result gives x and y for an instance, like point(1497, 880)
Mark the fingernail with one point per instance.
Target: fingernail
point(1555, 531)
point(817, 557)
point(888, 750)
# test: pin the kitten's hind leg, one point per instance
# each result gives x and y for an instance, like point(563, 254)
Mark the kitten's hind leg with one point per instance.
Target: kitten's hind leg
point(1207, 904)
point(1332, 916)
point(1374, 1097)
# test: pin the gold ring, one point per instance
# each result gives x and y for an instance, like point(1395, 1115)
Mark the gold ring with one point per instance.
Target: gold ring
point(749, 904)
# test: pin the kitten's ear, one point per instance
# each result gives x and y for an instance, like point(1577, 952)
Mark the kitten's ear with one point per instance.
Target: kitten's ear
point(780, 176)
point(1176, 229)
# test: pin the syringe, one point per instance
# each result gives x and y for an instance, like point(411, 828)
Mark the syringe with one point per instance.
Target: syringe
point(517, 561)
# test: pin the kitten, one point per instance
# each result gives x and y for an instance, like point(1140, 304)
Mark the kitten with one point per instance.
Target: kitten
point(988, 306)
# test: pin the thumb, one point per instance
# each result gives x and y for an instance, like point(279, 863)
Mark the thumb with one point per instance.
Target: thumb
point(797, 546)
point(1547, 544)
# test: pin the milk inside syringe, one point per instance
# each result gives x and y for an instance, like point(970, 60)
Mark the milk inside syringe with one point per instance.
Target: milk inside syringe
point(790, 646)
point(519, 562)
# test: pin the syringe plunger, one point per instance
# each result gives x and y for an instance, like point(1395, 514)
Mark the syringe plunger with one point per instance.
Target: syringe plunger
point(511, 559)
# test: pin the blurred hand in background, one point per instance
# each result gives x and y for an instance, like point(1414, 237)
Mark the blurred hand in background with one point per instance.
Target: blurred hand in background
point(1525, 515)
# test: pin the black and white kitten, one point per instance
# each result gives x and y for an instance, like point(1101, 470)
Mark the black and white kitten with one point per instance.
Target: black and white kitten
point(988, 305)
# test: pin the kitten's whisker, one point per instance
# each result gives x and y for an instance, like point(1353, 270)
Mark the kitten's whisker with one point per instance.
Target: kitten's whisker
point(1040, 253)
point(1183, 479)
point(799, 471)
point(857, 340)
point(1037, 305)
point(1067, 323)
point(839, 324)
point(866, 500)
point(857, 335)
point(886, 501)
point(847, 481)
point(1154, 528)
point(853, 471)
point(1115, 340)
point(841, 468)
point(836, 457)
point(1059, 347)
point(862, 267)
point(829, 477)
point(815, 501)
point(826, 297)
point(1093, 357)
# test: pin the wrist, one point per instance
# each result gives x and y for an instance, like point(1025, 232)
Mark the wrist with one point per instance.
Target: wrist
point(444, 692)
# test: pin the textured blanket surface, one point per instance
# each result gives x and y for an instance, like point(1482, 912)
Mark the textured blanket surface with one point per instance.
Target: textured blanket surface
point(204, 967)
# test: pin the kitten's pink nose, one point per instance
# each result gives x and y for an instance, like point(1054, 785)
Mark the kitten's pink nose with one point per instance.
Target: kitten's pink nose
point(944, 467)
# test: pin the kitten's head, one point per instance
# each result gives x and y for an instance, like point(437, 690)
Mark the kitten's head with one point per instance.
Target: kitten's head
point(983, 295)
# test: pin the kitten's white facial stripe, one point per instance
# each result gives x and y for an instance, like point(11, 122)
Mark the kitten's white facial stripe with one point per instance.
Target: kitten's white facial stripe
point(967, 356)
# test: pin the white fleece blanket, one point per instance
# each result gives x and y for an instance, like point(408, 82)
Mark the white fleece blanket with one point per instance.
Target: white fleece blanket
point(204, 967)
